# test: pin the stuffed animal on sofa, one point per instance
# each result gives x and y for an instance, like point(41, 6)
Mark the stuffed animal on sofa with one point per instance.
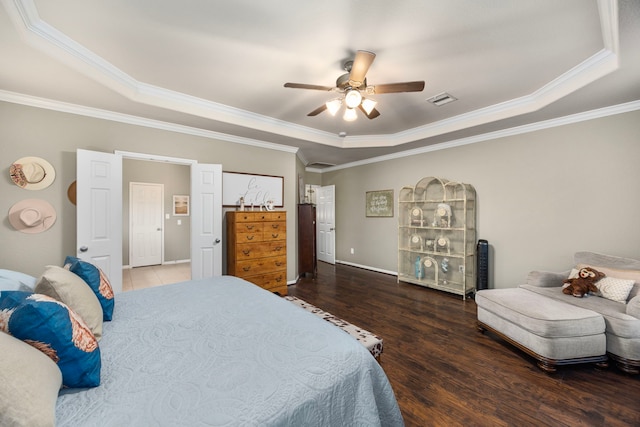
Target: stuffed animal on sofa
point(584, 283)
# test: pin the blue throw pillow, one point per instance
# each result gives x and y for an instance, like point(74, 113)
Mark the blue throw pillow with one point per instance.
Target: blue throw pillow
point(97, 281)
point(51, 327)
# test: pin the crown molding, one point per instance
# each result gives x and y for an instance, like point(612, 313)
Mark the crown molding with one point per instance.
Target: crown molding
point(547, 124)
point(36, 32)
point(81, 110)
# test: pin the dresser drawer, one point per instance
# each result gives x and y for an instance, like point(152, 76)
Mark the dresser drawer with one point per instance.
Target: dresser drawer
point(249, 237)
point(275, 282)
point(251, 267)
point(249, 227)
point(260, 249)
point(260, 216)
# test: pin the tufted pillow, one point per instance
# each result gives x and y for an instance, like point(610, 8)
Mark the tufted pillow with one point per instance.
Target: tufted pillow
point(97, 280)
point(54, 329)
point(29, 385)
point(15, 281)
point(69, 288)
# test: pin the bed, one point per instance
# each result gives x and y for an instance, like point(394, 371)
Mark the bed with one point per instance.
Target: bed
point(224, 352)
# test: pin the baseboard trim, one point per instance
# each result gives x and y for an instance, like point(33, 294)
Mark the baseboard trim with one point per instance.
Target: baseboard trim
point(367, 267)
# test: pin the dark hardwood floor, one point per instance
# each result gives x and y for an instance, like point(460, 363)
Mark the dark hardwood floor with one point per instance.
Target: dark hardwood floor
point(446, 373)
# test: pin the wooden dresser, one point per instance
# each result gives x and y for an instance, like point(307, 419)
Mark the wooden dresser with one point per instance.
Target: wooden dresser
point(257, 248)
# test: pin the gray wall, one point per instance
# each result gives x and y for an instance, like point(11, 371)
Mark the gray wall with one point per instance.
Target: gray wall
point(55, 136)
point(176, 180)
point(541, 197)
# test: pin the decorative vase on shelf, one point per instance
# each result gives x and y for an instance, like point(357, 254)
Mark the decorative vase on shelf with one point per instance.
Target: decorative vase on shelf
point(418, 267)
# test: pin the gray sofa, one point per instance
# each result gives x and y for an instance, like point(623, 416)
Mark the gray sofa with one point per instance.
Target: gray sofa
point(560, 329)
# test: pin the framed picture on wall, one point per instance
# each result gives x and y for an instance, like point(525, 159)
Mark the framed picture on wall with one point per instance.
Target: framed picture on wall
point(256, 190)
point(180, 205)
point(379, 203)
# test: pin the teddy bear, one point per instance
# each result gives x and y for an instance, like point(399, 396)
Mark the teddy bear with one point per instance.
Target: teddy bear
point(583, 283)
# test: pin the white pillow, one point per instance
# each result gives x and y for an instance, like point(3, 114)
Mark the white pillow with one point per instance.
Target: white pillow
point(70, 289)
point(29, 385)
point(15, 281)
point(614, 289)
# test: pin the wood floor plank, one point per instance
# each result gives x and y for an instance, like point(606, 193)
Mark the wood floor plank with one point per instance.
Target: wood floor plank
point(446, 373)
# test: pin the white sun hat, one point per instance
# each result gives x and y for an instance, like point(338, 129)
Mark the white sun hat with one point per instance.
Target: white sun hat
point(32, 173)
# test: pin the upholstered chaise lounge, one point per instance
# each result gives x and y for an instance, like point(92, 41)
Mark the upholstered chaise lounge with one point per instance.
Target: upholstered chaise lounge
point(560, 329)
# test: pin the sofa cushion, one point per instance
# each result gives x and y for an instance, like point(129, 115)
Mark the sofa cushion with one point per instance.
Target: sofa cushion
point(633, 307)
point(539, 315)
point(617, 321)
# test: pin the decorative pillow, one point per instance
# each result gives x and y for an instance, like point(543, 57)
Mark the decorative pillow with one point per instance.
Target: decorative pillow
point(610, 287)
point(54, 329)
point(633, 307)
point(29, 385)
point(614, 289)
point(97, 280)
point(624, 271)
point(69, 288)
point(15, 281)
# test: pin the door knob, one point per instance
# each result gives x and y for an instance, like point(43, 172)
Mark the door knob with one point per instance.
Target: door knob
point(217, 241)
point(158, 229)
point(83, 249)
point(331, 229)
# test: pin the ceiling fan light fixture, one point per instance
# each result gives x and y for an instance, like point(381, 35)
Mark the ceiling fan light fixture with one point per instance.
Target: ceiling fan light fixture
point(352, 98)
point(350, 115)
point(368, 105)
point(333, 106)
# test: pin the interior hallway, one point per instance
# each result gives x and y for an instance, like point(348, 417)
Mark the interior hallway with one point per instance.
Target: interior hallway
point(155, 275)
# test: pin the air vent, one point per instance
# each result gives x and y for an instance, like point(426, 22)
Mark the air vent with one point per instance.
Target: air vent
point(320, 165)
point(441, 99)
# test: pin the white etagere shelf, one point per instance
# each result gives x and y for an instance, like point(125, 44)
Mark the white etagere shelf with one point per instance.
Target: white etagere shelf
point(437, 235)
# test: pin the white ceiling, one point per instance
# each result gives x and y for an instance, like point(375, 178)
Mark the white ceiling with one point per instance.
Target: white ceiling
point(219, 66)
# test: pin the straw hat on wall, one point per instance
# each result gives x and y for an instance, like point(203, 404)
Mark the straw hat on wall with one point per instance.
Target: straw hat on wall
point(32, 173)
point(32, 216)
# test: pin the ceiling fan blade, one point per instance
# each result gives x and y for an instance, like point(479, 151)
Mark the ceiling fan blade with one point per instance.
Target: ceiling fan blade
point(361, 64)
point(305, 86)
point(374, 113)
point(399, 87)
point(318, 110)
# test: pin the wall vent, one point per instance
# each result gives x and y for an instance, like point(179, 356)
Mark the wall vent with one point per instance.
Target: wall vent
point(320, 165)
point(441, 99)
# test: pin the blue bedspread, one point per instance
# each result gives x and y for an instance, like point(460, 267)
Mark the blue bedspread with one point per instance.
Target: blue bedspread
point(224, 352)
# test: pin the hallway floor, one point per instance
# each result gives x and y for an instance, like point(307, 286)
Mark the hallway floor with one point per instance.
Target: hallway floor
point(155, 275)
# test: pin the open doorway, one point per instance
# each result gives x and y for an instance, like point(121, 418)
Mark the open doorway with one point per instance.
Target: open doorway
point(156, 240)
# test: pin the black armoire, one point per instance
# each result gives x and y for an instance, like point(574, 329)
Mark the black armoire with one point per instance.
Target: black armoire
point(307, 259)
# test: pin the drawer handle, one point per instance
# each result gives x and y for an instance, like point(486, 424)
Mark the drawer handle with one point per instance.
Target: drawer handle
point(250, 237)
point(246, 251)
point(246, 268)
point(274, 235)
point(250, 227)
point(275, 226)
point(279, 264)
point(279, 279)
point(278, 248)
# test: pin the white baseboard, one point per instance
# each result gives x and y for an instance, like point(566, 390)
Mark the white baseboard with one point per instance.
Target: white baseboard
point(367, 267)
point(179, 261)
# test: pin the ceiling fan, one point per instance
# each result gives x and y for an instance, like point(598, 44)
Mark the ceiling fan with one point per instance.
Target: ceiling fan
point(353, 85)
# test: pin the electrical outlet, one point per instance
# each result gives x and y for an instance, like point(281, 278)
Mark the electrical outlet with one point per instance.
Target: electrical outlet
point(352, 252)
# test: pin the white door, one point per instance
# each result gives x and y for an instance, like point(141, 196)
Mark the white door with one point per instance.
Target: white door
point(99, 212)
point(145, 223)
point(206, 221)
point(326, 224)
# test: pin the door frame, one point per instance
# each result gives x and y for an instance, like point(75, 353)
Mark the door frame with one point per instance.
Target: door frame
point(132, 184)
